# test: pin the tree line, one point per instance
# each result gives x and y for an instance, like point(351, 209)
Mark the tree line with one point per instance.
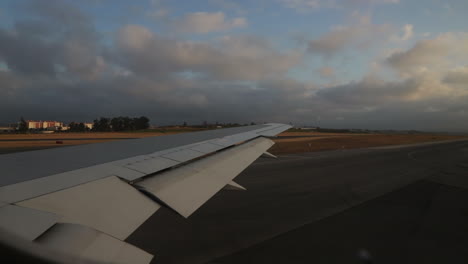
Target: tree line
point(103, 124)
point(121, 123)
point(206, 124)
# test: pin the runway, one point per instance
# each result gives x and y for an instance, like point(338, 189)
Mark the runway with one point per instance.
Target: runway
point(394, 205)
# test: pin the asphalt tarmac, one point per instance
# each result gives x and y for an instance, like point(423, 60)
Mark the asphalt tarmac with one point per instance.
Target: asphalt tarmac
point(381, 205)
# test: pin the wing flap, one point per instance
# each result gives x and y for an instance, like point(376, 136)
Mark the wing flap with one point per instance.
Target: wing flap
point(25, 223)
point(108, 205)
point(84, 243)
point(186, 188)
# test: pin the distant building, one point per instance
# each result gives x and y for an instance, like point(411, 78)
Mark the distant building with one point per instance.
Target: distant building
point(89, 125)
point(30, 124)
point(6, 129)
point(49, 125)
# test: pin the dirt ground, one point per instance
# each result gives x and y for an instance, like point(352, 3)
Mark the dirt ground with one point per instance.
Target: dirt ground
point(287, 142)
point(300, 142)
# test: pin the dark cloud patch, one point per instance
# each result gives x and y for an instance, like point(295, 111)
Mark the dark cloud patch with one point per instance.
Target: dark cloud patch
point(370, 92)
point(59, 15)
point(170, 101)
point(55, 38)
point(459, 76)
point(361, 33)
point(430, 115)
point(191, 101)
point(439, 54)
point(423, 53)
point(27, 54)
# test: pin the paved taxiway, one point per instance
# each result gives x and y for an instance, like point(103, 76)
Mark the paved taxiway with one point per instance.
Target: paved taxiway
point(399, 205)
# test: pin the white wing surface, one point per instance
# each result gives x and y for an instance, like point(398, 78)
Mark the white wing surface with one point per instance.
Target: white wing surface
point(84, 201)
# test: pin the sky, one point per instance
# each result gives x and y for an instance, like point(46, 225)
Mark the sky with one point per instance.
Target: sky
point(370, 64)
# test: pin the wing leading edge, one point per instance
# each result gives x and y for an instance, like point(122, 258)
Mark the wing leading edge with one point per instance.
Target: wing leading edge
point(87, 209)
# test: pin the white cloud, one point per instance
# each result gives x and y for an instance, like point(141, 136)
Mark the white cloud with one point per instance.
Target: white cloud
point(158, 10)
point(158, 13)
point(361, 33)
point(135, 37)
point(233, 58)
point(229, 5)
point(326, 72)
point(457, 76)
point(407, 32)
point(205, 22)
point(436, 55)
point(303, 6)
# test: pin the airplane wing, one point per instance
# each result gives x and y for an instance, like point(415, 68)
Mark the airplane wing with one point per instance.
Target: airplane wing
point(82, 202)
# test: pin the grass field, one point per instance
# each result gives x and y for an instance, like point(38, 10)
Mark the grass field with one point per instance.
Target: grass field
point(287, 142)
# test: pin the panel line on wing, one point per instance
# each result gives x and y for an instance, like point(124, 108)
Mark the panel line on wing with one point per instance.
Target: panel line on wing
point(186, 188)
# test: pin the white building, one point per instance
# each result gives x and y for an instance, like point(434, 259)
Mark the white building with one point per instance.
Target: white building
point(54, 125)
point(89, 125)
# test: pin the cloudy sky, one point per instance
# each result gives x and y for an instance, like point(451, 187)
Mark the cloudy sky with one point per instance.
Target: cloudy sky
point(377, 64)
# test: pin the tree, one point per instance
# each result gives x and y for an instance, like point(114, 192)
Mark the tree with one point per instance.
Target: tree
point(81, 127)
point(95, 125)
point(77, 127)
point(72, 127)
point(116, 124)
point(141, 123)
point(23, 125)
point(120, 123)
point(128, 123)
point(102, 124)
